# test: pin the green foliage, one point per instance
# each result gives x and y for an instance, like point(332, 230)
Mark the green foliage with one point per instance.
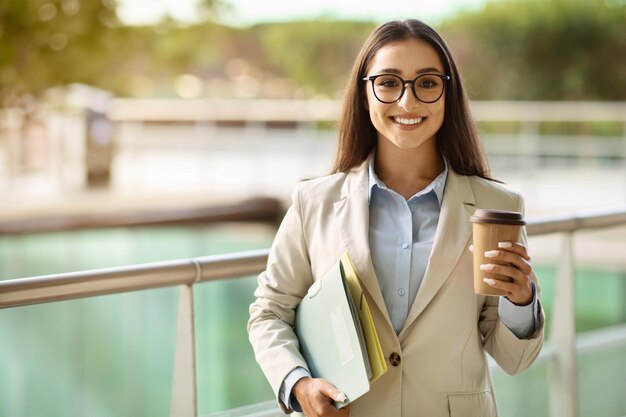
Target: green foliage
point(531, 50)
point(318, 54)
point(44, 43)
point(542, 50)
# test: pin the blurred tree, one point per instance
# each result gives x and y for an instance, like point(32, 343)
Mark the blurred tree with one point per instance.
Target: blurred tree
point(48, 42)
point(44, 43)
point(532, 49)
point(317, 54)
point(542, 50)
point(210, 10)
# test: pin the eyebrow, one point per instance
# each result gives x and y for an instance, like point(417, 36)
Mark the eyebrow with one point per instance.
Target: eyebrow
point(398, 72)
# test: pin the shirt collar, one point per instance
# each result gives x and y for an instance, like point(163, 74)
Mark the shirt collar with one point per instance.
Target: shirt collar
point(437, 186)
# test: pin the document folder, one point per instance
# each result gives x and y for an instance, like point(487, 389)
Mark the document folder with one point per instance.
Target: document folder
point(337, 334)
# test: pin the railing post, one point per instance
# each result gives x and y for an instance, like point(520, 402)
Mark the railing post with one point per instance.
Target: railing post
point(562, 377)
point(529, 135)
point(184, 402)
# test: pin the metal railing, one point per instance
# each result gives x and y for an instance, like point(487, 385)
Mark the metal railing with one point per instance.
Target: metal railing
point(249, 210)
point(187, 272)
point(309, 111)
point(61, 151)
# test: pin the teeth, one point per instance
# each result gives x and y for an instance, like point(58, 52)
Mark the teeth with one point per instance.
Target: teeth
point(404, 121)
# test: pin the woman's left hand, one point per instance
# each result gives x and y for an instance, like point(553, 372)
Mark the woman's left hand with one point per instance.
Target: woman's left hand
point(511, 260)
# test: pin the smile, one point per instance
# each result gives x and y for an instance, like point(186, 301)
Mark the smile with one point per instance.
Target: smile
point(407, 121)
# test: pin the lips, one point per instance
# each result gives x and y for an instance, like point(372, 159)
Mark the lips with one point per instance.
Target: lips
point(408, 120)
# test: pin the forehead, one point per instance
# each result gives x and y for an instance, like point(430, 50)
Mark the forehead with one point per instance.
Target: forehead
point(407, 56)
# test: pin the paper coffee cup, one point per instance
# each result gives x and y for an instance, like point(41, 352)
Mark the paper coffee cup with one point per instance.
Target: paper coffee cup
point(489, 228)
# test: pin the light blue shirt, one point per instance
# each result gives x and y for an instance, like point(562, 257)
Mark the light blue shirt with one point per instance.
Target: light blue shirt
point(401, 236)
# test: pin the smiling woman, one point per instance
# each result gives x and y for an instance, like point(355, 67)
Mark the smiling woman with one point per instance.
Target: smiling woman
point(409, 172)
point(402, 118)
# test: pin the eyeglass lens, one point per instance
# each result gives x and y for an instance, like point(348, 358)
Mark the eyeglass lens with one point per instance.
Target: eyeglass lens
point(389, 88)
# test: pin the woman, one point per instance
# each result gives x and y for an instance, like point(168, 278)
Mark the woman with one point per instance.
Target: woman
point(408, 174)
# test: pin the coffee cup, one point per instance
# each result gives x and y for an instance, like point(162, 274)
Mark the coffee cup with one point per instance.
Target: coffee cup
point(489, 228)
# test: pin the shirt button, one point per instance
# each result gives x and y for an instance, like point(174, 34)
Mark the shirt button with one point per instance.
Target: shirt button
point(401, 292)
point(405, 245)
point(395, 359)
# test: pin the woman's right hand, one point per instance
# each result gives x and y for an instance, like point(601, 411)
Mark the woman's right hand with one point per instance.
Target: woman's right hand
point(316, 398)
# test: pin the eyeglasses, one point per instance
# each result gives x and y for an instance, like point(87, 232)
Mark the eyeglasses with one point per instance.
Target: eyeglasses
point(389, 88)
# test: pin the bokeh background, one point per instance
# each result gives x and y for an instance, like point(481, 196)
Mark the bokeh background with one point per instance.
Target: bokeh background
point(112, 110)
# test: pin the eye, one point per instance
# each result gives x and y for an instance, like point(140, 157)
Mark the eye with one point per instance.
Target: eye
point(387, 82)
point(428, 82)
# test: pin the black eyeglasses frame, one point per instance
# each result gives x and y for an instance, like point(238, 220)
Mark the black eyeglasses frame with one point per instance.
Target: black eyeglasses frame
point(373, 78)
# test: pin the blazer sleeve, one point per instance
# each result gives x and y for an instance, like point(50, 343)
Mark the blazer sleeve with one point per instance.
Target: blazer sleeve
point(512, 354)
point(280, 289)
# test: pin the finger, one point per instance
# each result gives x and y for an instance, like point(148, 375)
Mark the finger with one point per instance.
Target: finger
point(515, 247)
point(517, 294)
point(506, 257)
point(332, 392)
point(508, 287)
point(322, 405)
point(506, 271)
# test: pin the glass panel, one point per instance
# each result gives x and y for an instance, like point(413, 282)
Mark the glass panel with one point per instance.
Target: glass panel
point(599, 296)
point(103, 356)
point(113, 355)
point(228, 375)
point(522, 395)
point(600, 380)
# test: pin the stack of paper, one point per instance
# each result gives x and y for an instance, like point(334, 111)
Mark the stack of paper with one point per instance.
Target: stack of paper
point(337, 334)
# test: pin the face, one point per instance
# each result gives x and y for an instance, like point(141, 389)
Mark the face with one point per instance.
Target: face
point(408, 123)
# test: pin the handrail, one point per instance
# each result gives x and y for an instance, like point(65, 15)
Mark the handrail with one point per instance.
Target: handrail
point(185, 273)
point(252, 209)
point(72, 285)
point(567, 223)
point(297, 111)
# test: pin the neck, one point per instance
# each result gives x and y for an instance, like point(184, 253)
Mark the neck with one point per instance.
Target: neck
point(408, 171)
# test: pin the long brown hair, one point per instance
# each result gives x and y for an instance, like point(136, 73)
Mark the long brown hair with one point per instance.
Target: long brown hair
point(457, 138)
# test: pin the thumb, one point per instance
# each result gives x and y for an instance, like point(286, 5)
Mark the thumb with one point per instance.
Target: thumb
point(331, 391)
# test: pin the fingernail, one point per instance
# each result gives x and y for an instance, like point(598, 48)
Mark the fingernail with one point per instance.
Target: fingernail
point(471, 248)
point(492, 253)
point(505, 245)
point(341, 397)
point(490, 281)
point(487, 267)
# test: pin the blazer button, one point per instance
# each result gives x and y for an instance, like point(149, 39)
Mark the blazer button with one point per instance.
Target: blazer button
point(395, 359)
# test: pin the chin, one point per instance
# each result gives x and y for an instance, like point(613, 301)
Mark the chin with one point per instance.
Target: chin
point(407, 143)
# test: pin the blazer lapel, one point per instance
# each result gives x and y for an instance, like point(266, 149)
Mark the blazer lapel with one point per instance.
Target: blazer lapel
point(453, 232)
point(352, 215)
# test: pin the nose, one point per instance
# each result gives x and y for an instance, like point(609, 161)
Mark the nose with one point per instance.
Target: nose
point(408, 100)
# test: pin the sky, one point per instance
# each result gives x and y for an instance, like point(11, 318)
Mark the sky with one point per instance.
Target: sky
point(247, 12)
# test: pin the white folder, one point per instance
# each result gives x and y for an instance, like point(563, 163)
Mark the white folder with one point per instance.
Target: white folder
point(336, 332)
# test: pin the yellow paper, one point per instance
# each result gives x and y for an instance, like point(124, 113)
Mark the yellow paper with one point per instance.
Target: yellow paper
point(374, 351)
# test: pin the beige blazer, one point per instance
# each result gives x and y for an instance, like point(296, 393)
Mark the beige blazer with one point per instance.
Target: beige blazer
point(443, 369)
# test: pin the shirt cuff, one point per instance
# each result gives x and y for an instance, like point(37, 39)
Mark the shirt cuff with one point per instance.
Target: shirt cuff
point(520, 320)
point(287, 386)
